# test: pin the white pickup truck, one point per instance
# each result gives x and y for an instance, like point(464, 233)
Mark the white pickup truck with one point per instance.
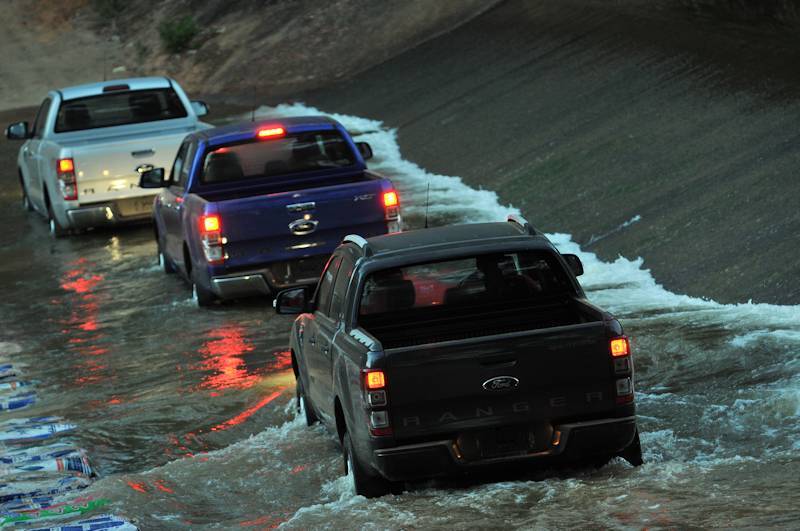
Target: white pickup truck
point(79, 166)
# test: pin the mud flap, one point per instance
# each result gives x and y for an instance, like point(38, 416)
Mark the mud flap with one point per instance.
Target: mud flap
point(633, 452)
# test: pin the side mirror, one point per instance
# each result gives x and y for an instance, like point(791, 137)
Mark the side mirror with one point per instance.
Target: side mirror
point(18, 131)
point(574, 264)
point(292, 301)
point(151, 178)
point(365, 150)
point(200, 108)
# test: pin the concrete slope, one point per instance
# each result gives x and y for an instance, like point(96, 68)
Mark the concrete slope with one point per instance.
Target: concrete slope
point(641, 132)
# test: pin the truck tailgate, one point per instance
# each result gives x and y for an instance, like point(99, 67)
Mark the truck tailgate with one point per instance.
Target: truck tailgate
point(292, 225)
point(442, 388)
point(106, 169)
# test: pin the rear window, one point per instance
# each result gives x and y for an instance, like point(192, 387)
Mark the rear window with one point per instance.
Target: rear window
point(280, 156)
point(503, 278)
point(119, 108)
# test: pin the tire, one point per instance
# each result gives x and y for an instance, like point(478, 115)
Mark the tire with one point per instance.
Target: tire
point(56, 230)
point(365, 484)
point(27, 206)
point(202, 296)
point(304, 406)
point(165, 264)
point(633, 452)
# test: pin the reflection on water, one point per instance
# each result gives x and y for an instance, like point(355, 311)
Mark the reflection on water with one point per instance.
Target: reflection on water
point(223, 351)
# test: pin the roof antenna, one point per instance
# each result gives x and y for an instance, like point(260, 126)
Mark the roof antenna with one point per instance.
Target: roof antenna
point(427, 202)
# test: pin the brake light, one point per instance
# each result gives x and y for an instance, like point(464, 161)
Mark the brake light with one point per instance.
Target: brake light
point(271, 132)
point(210, 223)
point(620, 347)
point(66, 165)
point(390, 199)
point(65, 172)
point(375, 380)
point(211, 238)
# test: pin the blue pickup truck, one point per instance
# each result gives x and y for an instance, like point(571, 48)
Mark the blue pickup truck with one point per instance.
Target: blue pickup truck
point(256, 207)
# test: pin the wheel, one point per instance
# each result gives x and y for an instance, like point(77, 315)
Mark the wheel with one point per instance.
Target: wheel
point(633, 452)
point(165, 264)
point(201, 295)
point(304, 406)
point(56, 230)
point(365, 484)
point(26, 202)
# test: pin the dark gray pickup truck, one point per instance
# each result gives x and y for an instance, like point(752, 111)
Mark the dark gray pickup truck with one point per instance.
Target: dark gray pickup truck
point(460, 349)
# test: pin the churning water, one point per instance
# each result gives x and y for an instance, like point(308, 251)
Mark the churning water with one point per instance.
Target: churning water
point(188, 415)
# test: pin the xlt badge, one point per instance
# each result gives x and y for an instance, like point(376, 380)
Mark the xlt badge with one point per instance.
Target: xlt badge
point(501, 383)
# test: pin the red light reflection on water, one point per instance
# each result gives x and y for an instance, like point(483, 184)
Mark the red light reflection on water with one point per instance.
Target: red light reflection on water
point(222, 351)
point(82, 326)
point(249, 412)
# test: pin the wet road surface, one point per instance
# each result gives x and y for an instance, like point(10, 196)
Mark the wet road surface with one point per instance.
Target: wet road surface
point(188, 413)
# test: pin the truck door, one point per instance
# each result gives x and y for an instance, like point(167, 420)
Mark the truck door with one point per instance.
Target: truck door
point(328, 325)
point(172, 204)
point(35, 167)
point(319, 332)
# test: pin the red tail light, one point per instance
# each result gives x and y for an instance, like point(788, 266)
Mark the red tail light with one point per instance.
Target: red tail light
point(391, 205)
point(375, 380)
point(377, 398)
point(65, 171)
point(211, 237)
point(210, 223)
point(271, 132)
point(620, 347)
point(390, 199)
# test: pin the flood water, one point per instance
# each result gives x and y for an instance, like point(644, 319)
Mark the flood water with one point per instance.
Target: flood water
point(188, 414)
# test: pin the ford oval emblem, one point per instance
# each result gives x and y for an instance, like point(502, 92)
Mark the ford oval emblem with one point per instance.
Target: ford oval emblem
point(501, 383)
point(302, 227)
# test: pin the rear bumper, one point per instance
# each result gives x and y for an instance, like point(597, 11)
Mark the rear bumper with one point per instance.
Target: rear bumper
point(571, 442)
point(101, 214)
point(269, 278)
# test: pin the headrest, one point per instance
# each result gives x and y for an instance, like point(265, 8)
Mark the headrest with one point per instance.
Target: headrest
point(224, 166)
point(76, 116)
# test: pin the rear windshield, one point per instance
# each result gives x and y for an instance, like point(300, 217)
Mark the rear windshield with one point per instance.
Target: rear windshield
point(119, 108)
point(502, 278)
point(266, 158)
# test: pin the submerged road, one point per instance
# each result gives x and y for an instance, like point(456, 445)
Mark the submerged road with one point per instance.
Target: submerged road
point(188, 413)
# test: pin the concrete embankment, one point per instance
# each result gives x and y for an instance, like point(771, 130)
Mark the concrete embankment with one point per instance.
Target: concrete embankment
point(657, 133)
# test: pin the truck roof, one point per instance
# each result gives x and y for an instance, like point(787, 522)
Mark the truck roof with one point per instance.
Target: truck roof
point(249, 128)
point(96, 89)
point(462, 236)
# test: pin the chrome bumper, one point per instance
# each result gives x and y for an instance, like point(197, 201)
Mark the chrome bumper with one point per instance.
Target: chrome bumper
point(231, 287)
point(102, 214)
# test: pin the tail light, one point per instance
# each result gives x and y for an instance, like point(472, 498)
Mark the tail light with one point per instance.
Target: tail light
point(211, 237)
point(377, 398)
point(620, 350)
point(65, 171)
point(391, 205)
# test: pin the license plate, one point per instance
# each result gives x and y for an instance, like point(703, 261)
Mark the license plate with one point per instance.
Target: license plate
point(135, 206)
point(504, 441)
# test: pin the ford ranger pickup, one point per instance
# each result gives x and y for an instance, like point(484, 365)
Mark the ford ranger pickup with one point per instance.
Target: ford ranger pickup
point(78, 164)
point(255, 207)
point(458, 350)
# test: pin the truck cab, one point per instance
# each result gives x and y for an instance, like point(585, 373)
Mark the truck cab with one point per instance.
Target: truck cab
point(457, 350)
